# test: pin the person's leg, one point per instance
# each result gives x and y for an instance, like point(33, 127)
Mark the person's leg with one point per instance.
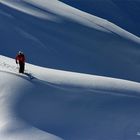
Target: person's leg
point(21, 67)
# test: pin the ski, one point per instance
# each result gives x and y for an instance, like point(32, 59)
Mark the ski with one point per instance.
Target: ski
point(29, 75)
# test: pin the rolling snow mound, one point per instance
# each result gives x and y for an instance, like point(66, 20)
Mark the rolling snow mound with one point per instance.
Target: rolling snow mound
point(65, 105)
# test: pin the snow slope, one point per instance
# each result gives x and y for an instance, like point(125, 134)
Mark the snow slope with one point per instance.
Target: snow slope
point(58, 104)
point(13, 87)
point(61, 37)
point(124, 13)
point(65, 105)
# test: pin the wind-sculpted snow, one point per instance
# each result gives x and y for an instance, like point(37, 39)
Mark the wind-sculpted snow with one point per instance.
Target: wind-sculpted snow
point(59, 103)
point(69, 39)
point(58, 8)
point(65, 105)
point(123, 13)
point(24, 7)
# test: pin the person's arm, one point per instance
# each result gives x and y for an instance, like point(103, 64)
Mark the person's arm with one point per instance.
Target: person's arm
point(17, 59)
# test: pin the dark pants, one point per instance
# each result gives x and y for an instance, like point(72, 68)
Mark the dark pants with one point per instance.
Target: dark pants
point(21, 67)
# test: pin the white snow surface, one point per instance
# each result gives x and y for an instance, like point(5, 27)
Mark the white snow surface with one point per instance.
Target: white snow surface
point(59, 104)
point(64, 105)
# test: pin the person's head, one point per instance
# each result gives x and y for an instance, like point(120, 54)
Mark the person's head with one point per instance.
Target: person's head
point(20, 52)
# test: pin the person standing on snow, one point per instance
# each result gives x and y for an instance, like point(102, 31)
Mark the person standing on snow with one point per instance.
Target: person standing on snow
point(20, 59)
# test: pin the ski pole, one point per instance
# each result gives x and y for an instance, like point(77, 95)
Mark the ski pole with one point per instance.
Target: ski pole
point(17, 66)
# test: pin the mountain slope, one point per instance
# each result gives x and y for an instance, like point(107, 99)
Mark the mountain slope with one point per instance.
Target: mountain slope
point(123, 13)
point(59, 104)
point(68, 39)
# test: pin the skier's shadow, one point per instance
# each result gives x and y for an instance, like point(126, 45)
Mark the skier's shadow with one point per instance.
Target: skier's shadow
point(29, 75)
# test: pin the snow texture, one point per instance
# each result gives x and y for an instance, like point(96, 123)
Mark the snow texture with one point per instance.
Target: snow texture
point(85, 73)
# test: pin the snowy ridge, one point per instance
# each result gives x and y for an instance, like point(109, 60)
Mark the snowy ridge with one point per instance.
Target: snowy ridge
point(66, 39)
point(59, 8)
point(72, 79)
point(124, 14)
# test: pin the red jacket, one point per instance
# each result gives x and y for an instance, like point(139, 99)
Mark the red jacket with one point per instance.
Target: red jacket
point(20, 58)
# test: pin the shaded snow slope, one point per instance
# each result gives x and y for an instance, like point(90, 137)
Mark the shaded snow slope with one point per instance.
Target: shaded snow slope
point(123, 13)
point(13, 86)
point(12, 127)
point(59, 104)
point(56, 35)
